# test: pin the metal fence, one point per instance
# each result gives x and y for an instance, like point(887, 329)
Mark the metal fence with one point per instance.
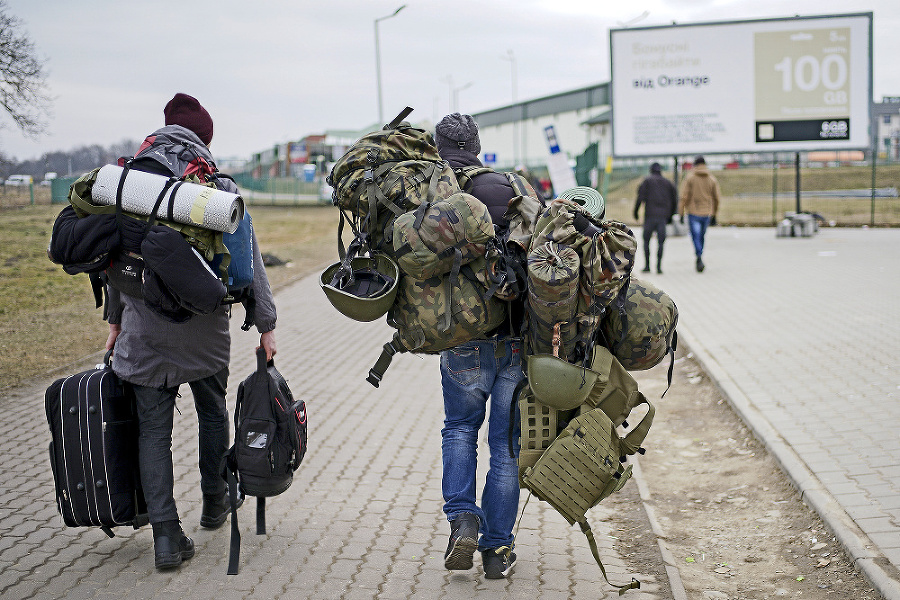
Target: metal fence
point(757, 194)
point(841, 194)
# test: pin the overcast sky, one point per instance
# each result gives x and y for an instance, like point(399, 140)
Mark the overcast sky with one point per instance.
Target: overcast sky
point(272, 71)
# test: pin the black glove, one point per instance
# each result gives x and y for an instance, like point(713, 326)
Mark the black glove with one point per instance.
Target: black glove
point(712, 220)
point(636, 217)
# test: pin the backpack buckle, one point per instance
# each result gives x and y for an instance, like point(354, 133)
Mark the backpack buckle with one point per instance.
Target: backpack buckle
point(368, 176)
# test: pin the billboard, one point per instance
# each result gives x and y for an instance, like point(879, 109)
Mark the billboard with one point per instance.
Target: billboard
point(769, 85)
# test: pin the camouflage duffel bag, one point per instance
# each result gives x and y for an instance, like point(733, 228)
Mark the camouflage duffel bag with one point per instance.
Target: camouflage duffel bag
point(442, 235)
point(435, 314)
point(553, 278)
point(640, 327)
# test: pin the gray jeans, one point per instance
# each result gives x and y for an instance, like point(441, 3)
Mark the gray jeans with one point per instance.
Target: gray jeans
point(156, 415)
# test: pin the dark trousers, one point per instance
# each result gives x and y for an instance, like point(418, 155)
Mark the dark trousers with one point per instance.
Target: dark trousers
point(156, 416)
point(652, 226)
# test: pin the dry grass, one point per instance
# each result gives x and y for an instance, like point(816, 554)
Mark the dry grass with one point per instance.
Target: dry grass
point(48, 319)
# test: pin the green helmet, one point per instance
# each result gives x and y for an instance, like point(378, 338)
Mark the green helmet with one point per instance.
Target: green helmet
point(365, 289)
point(559, 384)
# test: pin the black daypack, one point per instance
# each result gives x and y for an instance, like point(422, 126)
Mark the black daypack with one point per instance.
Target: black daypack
point(269, 444)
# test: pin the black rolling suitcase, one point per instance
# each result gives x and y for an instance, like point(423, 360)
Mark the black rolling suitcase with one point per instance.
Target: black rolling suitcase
point(94, 449)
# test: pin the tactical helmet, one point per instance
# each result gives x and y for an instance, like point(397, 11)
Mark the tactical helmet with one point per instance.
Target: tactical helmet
point(559, 384)
point(364, 289)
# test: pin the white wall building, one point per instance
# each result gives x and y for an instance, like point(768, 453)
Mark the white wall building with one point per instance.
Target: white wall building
point(514, 134)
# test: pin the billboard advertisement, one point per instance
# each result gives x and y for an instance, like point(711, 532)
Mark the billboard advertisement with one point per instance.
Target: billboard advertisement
point(769, 85)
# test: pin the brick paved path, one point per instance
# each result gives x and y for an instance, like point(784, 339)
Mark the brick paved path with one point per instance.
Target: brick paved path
point(362, 520)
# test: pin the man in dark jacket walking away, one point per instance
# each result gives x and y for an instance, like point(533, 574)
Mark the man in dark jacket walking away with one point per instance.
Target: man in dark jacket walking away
point(471, 374)
point(660, 201)
point(155, 355)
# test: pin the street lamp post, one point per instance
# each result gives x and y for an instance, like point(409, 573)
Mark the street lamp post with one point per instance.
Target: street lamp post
point(456, 92)
point(512, 64)
point(378, 61)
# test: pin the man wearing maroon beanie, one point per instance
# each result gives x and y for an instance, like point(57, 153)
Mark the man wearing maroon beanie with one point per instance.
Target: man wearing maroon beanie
point(186, 111)
point(156, 354)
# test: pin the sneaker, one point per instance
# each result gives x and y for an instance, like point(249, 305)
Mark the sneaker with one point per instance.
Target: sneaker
point(700, 265)
point(498, 562)
point(659, 269)
point(171, 546)
point(463, 542)
point(216, 510)
point(646, 269)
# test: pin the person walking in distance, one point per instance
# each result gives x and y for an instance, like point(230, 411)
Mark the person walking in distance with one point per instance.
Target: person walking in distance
point(660, 201)
point(471, 375)
point(700, 201)
point(154, 355)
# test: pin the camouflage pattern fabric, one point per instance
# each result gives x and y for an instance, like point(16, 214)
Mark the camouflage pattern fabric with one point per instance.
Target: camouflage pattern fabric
point(640, 328)
point(386, 174)
point(435, 314)
point(607, 258)
point(441, 236)
point(553, 282)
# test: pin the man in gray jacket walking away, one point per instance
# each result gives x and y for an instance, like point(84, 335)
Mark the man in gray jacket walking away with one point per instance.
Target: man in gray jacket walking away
point(155, 355)
point(660, 201)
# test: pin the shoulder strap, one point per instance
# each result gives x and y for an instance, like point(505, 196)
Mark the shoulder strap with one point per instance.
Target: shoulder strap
point(586, 530)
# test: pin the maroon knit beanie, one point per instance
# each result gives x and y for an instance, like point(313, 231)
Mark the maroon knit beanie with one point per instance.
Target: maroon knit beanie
point(186, 111)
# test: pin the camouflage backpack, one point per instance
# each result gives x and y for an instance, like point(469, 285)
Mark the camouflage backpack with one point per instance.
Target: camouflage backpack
point(385, 174)
point(441, 236)
point(640, 329)
point(605, 251)
point(402, 200)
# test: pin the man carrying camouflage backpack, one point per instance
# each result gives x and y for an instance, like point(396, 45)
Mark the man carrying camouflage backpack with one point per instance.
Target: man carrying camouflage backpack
point(470, 374)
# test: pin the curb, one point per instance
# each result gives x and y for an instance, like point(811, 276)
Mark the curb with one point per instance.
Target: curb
point(854, 541)
point(675, 581)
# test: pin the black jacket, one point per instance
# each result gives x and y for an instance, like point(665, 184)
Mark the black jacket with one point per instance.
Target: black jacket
point(659, 198)
point(493, 189)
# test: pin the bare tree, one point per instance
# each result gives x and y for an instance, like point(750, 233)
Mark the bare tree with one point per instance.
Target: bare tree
point(23, 86)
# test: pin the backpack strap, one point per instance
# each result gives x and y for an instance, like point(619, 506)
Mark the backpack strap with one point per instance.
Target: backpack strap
point(376, 373)
point(234, 549)
point(517, 393)
point(631, 443)
point(586, 530)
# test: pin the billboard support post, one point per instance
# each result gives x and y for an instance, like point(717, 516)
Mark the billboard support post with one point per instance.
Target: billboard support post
point(797, 178)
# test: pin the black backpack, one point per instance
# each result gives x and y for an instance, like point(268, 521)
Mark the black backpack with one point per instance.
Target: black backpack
point(269, 444)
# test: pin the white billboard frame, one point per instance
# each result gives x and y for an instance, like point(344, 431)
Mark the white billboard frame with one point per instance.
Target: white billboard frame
point(786, 85)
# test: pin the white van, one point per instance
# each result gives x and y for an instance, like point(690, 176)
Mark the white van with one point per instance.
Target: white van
point(18, 180)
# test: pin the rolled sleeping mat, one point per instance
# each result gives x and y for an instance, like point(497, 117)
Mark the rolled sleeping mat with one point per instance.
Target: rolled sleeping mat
point(587, 197)
point(193, 204)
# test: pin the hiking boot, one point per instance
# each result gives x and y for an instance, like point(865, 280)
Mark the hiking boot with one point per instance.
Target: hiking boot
point(216, 509)
point(700, 265)
point(170, 546)
point(463, 542)
point(498, 562)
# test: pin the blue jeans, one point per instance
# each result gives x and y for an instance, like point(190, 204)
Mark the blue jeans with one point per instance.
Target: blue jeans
point(698, 227)
point(156, 418)
point(470, 374)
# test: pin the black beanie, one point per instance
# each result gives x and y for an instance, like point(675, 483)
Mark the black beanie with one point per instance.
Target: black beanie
point(457, 131)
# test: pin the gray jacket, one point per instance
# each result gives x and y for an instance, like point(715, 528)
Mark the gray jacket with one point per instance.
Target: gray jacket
point(154, 352)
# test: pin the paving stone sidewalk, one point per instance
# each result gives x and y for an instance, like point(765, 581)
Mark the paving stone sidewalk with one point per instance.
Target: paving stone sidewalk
point(803, 336)
point(362, 520)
